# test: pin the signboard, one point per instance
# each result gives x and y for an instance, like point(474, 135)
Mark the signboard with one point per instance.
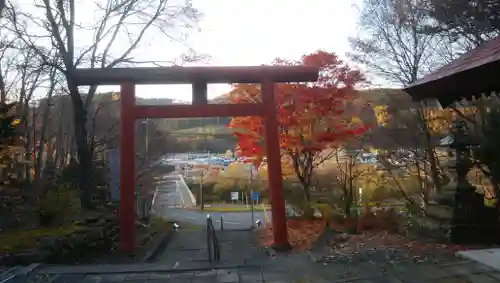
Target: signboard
point(255, 195)
point(234, 195)
point(113, 158)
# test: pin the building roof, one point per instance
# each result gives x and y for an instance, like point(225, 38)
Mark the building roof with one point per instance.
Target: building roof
point(472, 74)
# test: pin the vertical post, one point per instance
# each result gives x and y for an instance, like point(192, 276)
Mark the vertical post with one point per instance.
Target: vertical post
point(34, 132)
point(199, 93)
point(251, 197)
point(147, 141)
point(202, 204)
point(209, 239)
point(253, 209)
point(280, 232)
point(127, 168)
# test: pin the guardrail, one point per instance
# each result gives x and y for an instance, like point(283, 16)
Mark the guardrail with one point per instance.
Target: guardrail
point(143, 208)
point(185, 189)
point(213, 245)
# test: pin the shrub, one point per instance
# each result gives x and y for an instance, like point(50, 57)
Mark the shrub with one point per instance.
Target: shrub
point(383, 220)
point(368, 220)
point(58, 205)
point(389, 220)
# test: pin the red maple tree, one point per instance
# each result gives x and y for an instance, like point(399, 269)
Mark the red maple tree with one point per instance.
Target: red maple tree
point(311, 116)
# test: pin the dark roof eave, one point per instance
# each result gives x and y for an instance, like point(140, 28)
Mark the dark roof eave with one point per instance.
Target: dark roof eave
point(487, 53)
point(463, 85)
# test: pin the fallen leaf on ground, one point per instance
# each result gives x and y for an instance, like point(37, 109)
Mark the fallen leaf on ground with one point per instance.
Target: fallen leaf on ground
point(302, 233)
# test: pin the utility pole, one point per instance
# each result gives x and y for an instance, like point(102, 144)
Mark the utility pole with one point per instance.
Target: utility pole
point(202, 204)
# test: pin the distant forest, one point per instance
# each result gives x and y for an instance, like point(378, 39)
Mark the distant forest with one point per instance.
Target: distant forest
point(374, 107)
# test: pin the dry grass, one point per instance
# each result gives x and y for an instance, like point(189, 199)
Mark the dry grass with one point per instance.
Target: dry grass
point(11, 241)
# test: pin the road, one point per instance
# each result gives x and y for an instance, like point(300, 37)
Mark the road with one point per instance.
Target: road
point(170, 201)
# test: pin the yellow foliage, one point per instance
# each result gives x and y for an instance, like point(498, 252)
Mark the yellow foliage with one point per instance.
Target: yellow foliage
point(211, 176)
point(356, 120)
point(236, 176)
point(490, 202)
point(286, 169)
point(263, 173)
point(381, 115)
point(237, 170)
point(438, 120)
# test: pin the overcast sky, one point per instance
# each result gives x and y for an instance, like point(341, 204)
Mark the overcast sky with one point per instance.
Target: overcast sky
point(238, 32)
point(254, 32)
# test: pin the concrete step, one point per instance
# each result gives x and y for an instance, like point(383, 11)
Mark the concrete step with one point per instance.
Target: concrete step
point(101, 269)
point(202, 275)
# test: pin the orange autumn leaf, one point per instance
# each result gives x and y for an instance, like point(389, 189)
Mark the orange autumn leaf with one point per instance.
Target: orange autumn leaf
point(301, 233)
point(311, 115)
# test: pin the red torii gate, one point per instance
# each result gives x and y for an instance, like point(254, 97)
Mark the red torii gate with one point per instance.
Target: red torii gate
point(198, 77)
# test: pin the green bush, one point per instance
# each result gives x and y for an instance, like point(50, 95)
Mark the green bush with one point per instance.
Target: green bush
point(58, 206)
point(381, 193)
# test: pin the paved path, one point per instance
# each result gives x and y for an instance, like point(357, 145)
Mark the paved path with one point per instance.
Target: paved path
point(232, 220)
point(171, 193)
point(293, 269)
point(170, 198)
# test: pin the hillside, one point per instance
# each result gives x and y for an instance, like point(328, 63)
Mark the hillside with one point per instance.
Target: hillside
point(386, 111)
point(212, 133)
point(362, 106)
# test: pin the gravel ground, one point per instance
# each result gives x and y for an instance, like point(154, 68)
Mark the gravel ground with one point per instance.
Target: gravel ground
point(383, 248)
point(389, 255)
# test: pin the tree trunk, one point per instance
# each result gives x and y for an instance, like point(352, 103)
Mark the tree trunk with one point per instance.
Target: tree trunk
point(347, 202)
point(306, 185)
point(307, 193)
point(83, 150)
point(436, 179)
point(41, 147)
point(305, 182)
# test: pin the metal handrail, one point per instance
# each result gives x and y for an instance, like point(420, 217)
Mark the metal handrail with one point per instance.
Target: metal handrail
point(215, 242)
point(212, 242)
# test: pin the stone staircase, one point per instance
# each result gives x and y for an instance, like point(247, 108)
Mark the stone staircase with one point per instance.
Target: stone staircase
point(188, 250)
point(186, 254)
